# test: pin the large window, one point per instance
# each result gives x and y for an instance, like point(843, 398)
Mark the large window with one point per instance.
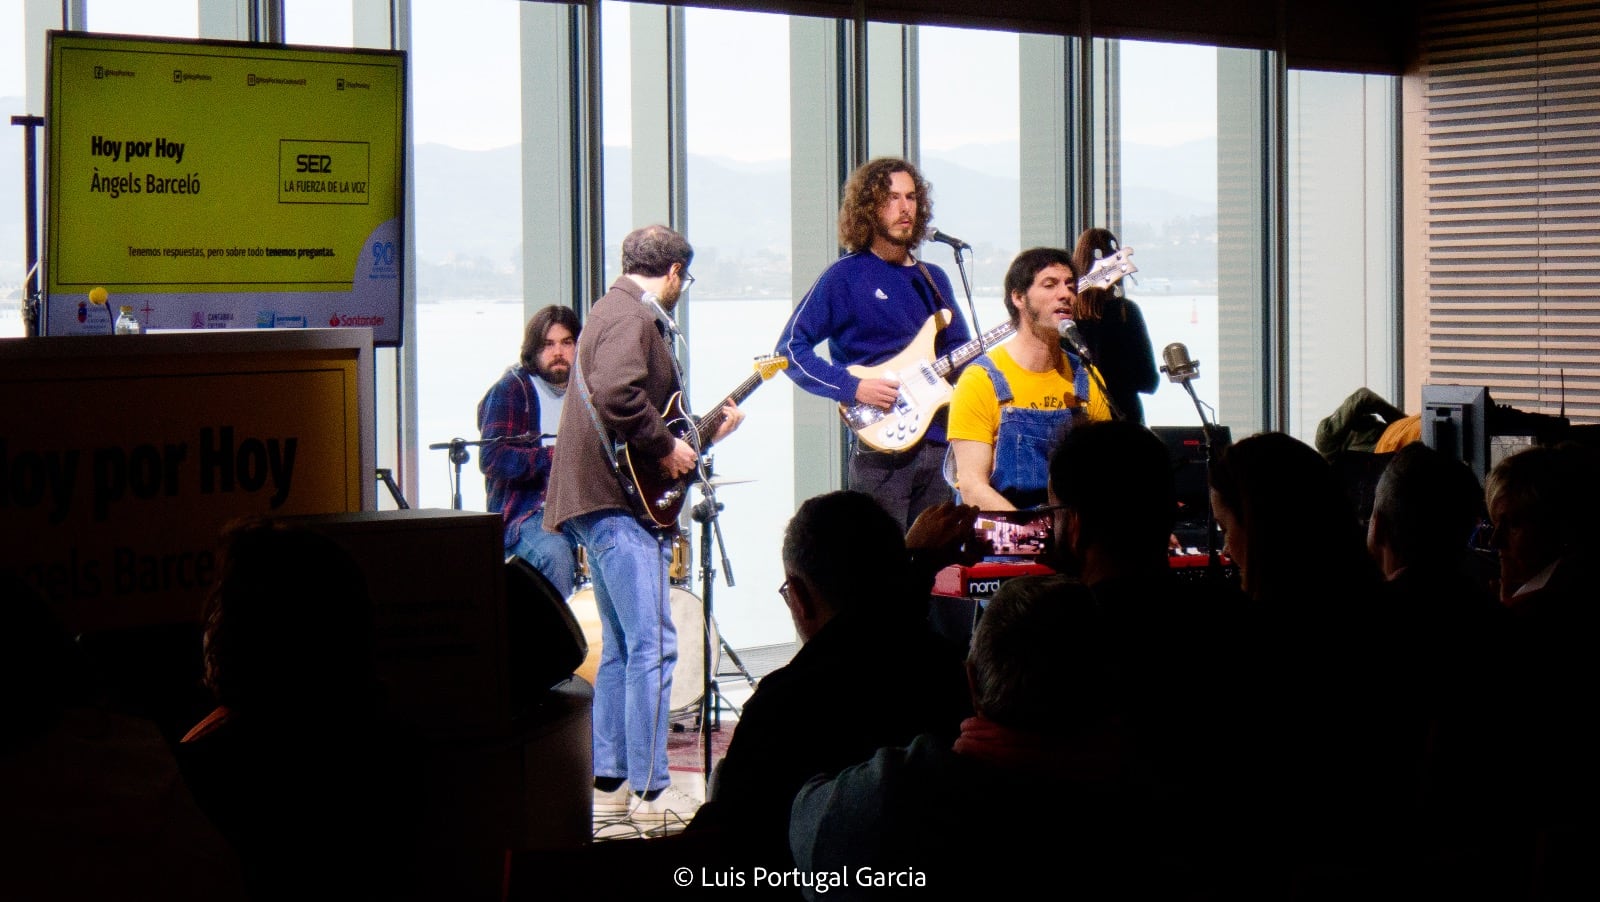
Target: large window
point(160, 18)
point(1343, 270)
point(969, 151)
point(737, 130)
point(616, 105)
point(1167, 156)
point(468, 215)
point(13, 241)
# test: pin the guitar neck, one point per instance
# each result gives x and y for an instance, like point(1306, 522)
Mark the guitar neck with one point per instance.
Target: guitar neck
point(973, 348)
point(711, 422)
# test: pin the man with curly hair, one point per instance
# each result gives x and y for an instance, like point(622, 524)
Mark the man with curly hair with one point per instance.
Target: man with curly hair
point(868, 306)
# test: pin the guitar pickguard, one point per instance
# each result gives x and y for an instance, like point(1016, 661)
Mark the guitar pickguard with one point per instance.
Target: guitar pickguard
point(922, 395)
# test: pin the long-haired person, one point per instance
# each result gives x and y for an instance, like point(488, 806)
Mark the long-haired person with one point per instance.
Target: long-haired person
point(1113, 328)
point(867, 307)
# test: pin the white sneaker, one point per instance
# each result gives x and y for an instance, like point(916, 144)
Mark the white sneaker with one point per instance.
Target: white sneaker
point(613, 804)
point(672, 806)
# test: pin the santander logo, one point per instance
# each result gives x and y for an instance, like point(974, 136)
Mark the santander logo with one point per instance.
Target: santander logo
point(337, 321)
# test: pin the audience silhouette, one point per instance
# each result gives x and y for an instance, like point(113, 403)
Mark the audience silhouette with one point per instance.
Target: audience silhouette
point(298, 766)
point(1030, 791)
point(93, 804)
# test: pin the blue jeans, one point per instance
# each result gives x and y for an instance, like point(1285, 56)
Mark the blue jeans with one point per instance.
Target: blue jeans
point(633, 687)
point(549, 553)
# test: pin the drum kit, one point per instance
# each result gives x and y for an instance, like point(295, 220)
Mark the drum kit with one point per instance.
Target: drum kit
point(688, 618)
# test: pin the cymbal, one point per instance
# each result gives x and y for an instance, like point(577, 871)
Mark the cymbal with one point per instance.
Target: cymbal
point(718, 482)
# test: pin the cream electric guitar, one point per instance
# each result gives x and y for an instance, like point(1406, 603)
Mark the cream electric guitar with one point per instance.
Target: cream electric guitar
point(925, 387)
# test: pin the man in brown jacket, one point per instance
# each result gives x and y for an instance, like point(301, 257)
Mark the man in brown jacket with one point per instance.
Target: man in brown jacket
point(628, 375)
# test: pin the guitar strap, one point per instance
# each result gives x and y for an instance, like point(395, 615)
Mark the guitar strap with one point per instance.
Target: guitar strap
point(939, 295)
point(606, 445)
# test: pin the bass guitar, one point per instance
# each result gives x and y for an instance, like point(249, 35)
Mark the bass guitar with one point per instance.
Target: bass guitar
point(658, 498)
point(925, 387)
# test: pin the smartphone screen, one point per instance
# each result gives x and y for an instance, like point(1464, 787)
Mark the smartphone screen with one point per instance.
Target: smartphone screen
point(1015, 535)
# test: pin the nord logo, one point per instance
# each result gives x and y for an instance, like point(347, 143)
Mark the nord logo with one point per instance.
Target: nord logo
point(313, 162)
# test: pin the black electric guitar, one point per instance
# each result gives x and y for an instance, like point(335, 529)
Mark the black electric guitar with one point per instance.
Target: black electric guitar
point(925, 387)
point(658, 498)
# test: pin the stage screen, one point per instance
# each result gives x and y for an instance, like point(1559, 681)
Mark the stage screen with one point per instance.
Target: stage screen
point(223, 185)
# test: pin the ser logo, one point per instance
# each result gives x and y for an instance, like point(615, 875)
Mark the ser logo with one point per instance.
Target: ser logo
point(313, 162)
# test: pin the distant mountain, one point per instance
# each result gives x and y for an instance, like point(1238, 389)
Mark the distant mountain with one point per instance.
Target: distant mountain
point(469, 203)
point(469, 211)
point(999, 159)
point(1187, 170)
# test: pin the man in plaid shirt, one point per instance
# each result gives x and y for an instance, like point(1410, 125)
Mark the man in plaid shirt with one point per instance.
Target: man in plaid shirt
point(524, 409)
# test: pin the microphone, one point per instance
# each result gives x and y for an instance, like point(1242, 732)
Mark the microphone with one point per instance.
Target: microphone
point(1072, 339)
point(1177, 365)
point(662, 316)
point(934, 234)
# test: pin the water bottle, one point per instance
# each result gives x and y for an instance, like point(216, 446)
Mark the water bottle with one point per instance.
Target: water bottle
point(127, 323)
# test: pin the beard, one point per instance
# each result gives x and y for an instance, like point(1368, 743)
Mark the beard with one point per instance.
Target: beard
point(556, 374)
point(906, 241)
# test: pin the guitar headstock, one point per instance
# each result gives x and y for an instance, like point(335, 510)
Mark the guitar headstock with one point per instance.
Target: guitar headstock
point(1109, 270)
point(769, 365)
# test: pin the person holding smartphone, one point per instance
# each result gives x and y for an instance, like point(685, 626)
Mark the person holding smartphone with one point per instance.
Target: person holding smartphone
point(1013, 405)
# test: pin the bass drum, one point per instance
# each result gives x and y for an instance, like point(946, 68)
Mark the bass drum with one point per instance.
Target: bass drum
point(688, 616)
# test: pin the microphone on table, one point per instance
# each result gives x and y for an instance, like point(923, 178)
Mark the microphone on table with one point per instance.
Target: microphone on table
point(1177, 365)
point(934, 234)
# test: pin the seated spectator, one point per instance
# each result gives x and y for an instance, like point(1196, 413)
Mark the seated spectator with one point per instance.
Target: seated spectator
point(1028, 794)
point(1449, 632)
point(869, 673)
point(1175, 645)
point(1440, 594)
point(1542, 501)
point(298, 765)
point(93, 804)
point(1331, 742)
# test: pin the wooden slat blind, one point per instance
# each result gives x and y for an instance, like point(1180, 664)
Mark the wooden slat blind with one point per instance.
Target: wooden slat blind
point(1511, 165)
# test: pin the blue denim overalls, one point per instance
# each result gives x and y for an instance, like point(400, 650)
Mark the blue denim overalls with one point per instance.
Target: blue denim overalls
point(1022, 446)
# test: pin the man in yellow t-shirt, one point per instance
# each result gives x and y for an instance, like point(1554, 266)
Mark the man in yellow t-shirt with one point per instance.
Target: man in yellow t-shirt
point(1012, 406)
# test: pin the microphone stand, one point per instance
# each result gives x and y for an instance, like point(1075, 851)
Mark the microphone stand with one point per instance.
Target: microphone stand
point(1208, 430)
point(1082, 350)
point(966, 286)
point(386, 476)
point(459, 455)
point(707, 512)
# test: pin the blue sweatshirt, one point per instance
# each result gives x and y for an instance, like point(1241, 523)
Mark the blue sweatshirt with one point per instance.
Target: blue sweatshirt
point(867, 310)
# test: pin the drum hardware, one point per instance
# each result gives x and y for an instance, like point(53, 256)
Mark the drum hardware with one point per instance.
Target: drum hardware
point(707, 512)
point(688, 617)
point(678, 568)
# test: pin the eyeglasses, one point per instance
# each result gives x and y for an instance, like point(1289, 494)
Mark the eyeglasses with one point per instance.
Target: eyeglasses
point(687, 280)
point(783, 591)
